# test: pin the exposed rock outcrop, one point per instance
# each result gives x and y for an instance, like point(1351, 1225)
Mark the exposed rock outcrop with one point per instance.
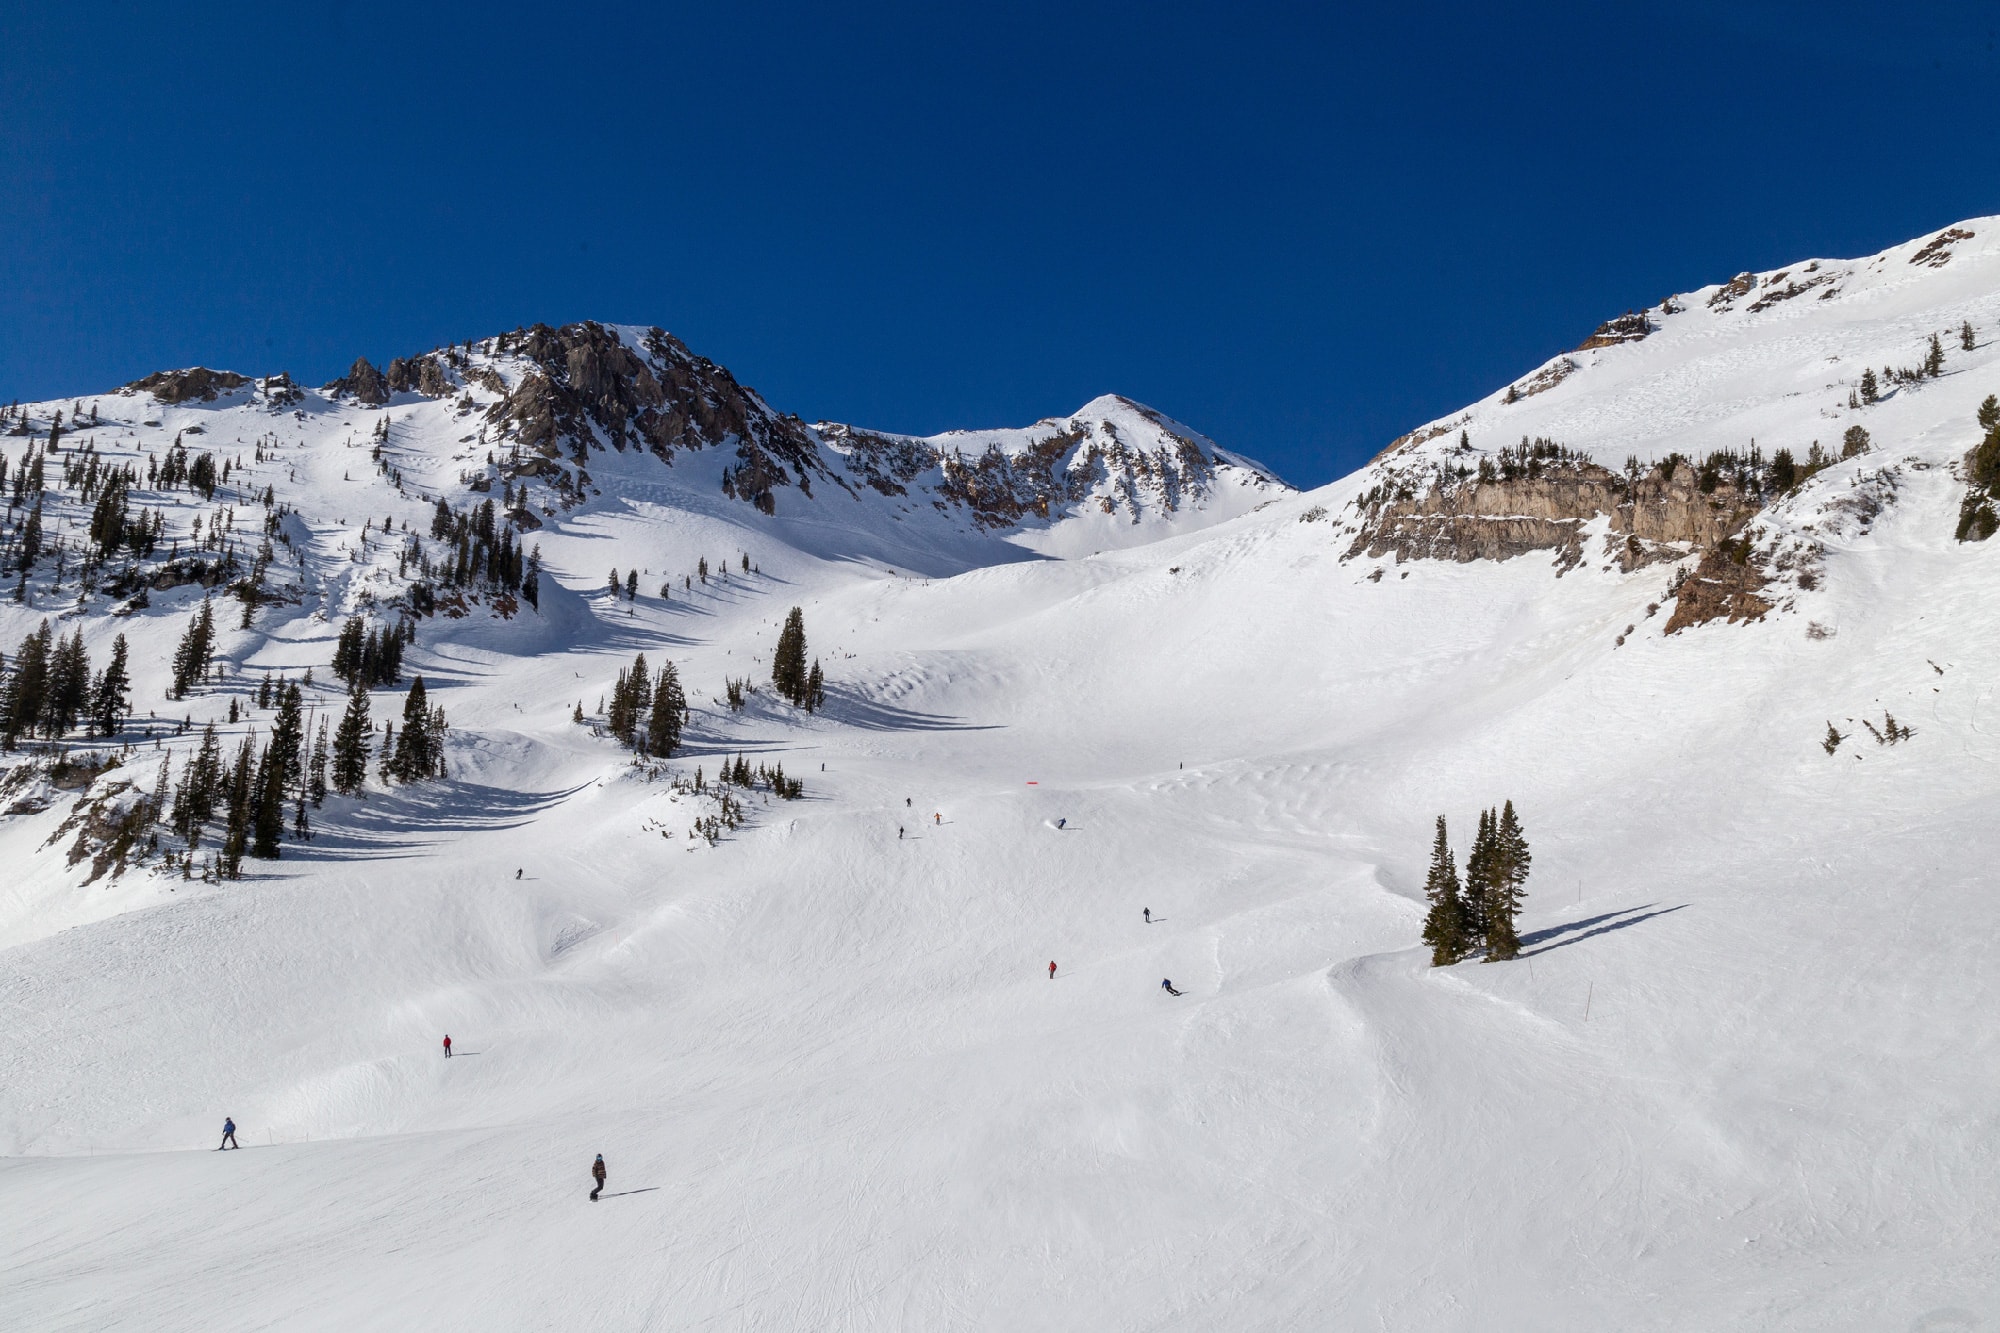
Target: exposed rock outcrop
point(362, 382)
point(1629, 327)
point(181, 386)
point(587, 388)
point(421, 373)
point(1544, 504)
point(1725, 585)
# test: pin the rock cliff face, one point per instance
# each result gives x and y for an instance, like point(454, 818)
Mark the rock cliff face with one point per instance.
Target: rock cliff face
point(1726, 585)
point(181, 386)
point(1113, 457)
point(584, 387)
point(362, 382)
point(1544, 504)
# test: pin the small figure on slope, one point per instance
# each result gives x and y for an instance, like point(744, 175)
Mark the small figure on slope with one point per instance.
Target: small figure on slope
point(1052, 970)
point(228, 1135)
point(447, 1046)
point(1149, 914)
point(597, 1174)
point(1168, 987)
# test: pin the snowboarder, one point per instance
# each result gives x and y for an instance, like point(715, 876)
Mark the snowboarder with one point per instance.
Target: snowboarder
point(447, 1046)
point(1168, 987)
point(228, 1135)
point(1052, 971)
point(597, 1174)
point(1149, 914)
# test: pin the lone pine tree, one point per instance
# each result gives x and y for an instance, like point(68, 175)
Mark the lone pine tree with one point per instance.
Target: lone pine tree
point(788, 663)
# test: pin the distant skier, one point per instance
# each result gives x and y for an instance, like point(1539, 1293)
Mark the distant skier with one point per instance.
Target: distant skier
point(906, 802)
point(517, 874)
point(1149, 915)
point(899, 833)
point(1061, 822)
point(597, 1174)
point(938, 817)
point(1052, 971)
point(228, 1135)
point(447, 1046)
point(1168, 987)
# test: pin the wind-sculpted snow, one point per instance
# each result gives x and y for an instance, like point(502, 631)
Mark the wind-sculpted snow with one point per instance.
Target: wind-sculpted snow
point(1740, 1076)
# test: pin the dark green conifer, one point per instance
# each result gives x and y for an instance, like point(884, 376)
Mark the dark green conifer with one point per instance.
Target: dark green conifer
point(1444, 924)
point(350, 743)
point(663, 729)
point(788, 663)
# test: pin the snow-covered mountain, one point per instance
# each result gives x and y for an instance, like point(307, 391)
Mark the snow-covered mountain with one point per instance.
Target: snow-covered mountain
point(1729, 659)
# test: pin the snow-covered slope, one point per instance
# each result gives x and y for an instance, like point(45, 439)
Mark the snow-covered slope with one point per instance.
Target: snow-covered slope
point(1742, 1077)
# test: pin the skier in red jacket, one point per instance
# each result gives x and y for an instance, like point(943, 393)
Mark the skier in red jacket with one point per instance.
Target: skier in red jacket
point(1052, 971)
point(447, 1046)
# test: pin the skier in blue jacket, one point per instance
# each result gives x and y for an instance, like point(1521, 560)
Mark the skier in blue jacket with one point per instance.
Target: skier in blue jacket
point(228, 1135)
point(1168, 987)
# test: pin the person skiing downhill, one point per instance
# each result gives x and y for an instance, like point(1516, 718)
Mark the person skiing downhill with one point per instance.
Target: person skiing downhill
point(597, 1174)
point(1052, 970)
point(1168, 987)
point(228, 1135)
point(1149, 915)
point(447, 1046)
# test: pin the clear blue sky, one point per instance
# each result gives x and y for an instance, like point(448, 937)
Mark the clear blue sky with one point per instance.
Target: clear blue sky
point(1301, 229)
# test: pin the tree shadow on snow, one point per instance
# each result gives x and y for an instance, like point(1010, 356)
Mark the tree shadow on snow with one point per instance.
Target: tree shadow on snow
point(857, 712)
point(1577, 931)
point(390, 825)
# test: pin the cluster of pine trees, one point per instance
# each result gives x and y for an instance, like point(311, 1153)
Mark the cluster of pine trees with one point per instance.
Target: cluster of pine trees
point(367, 655)
point(250, 792)
point(196, 651)
point(481, 550)
point(739, 772)
point(51, 688)
point(804, 688)
point(1480, 913)
point(648, 710)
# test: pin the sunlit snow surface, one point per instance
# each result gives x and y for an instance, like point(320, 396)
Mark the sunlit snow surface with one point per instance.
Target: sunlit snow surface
point(1744, 1076)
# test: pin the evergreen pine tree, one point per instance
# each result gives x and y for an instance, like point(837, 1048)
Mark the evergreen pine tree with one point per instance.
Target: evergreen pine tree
point(196, 650)
point(663, 729)
point(1870, 391)
point(788, 663)
point(1444, 924)
point(236, 833)
point(316, 768)
point(1934, 358)
point(1965, 340)
point(1478, 879)
point(267, 823)
point(1989, 413)
point(414, 755)
point(288, 736)
point(68, 693)
point(111, 700)
point(27, 687)
point(1508, 887)
point(350, 743)
point(815, 689)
